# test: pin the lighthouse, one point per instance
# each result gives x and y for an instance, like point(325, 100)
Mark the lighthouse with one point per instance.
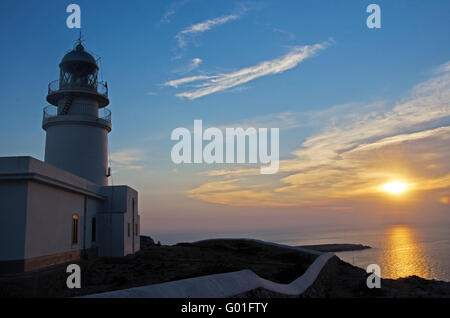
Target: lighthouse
point(77, 122)
point(62, 209)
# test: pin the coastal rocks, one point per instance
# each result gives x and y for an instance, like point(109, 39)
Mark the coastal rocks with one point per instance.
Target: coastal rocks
point(415, 286)
point(339, 279)
point(147, 241)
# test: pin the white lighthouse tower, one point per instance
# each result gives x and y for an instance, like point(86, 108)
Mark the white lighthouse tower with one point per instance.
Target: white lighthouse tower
point(62, 210)
point(77, 130)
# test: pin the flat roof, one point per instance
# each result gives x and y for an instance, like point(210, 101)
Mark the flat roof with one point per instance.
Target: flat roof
point(29, 168)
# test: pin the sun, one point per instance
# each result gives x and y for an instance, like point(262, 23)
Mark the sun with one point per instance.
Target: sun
point(395, 187)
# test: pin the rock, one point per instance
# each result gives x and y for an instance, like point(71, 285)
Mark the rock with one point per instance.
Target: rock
point(146, 242)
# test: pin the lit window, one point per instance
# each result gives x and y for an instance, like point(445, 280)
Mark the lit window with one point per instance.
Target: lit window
point(75, 229)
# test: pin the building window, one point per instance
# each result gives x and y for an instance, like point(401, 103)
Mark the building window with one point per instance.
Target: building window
point(94, 229)
point(137, 230)
point(128, 229)
point(75, 229)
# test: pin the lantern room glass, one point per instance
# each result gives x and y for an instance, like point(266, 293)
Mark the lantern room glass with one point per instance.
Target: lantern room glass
point(78, 74)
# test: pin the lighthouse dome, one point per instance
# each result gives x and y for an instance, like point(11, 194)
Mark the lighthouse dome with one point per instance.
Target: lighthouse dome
point(78, 76)
point(79, 55)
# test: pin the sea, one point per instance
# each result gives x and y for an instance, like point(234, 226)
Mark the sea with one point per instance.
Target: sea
point(399, 250)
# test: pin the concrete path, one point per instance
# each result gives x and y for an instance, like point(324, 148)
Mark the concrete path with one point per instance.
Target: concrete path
point(224, 285)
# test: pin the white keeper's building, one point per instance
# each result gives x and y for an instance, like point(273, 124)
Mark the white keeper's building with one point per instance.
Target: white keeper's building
point(63, 209)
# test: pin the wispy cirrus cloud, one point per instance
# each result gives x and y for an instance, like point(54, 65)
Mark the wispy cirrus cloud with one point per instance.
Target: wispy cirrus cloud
point(355, 152)
point(184, 80)
point(128, 159)
point(444, 68)
point(215, 83)
point(339, 114)
point(290, 35)
point(195, 63)
point(186, 35)
point(285, 120)
point(172, 10)
point(189, 34)
point(192, 65)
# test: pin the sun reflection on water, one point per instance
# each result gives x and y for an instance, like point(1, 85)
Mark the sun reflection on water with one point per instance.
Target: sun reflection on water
point(404, 255)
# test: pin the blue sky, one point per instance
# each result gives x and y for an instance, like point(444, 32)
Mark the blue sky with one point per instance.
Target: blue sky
point(145, 44)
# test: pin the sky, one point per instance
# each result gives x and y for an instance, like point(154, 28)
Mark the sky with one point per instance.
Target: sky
point(357, 108)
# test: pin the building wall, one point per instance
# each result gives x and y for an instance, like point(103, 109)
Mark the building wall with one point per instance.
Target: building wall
point(37, 205)
point(94, 206)
point(111, 233)
point(49, 225)
point(37, 202)
point(13, 205)
point(49, 220)
point(132, 242)
point(138, 233)
point(116, 215)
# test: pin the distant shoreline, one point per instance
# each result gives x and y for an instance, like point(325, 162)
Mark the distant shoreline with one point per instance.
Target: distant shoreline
point(335, 247)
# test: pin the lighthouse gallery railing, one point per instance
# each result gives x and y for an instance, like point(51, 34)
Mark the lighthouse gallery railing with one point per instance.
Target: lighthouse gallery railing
point(51, 111)
point(100, 87)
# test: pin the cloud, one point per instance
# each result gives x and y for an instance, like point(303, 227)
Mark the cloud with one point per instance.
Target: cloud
point(290, 35)
point(220, 82)
point(189, 34)
point(181, 81)
point(193, 64)
point(208, 24)
point(228, 192)
point(357, 150)
point(444, 68)
point(127, 159)
point(173, 9)
point(342, 114)
point(283, 121)
point(227, 172)
point(184, 36)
